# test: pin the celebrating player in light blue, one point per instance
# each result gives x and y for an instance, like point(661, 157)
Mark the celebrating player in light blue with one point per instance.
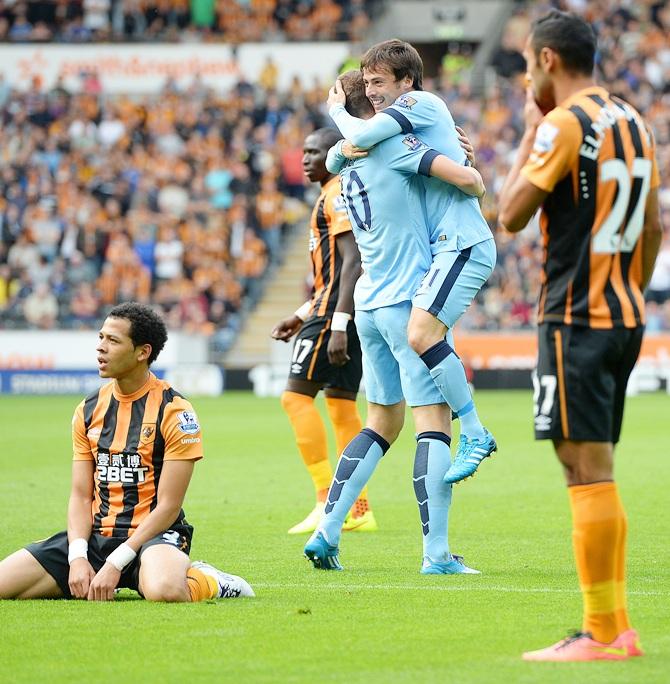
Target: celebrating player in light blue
point(384, 199)
point(463, 248)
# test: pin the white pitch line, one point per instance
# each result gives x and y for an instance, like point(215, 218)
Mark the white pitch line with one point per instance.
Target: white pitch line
point(413, 587)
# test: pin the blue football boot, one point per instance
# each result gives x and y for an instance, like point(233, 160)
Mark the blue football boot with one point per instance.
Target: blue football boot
point(322, 555)
point(454, 566)
point(471, 452)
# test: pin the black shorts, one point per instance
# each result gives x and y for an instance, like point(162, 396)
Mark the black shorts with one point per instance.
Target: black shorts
point(51, 554)
point(310, 357)
point(580, 381)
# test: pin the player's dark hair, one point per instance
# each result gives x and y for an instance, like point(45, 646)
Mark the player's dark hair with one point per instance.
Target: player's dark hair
point(146, 326)
point(398, 57)
point(569, 36)
point(327, 136)
point(354, 88)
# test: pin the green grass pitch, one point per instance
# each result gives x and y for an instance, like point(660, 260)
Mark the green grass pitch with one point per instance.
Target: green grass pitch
point(379, 621)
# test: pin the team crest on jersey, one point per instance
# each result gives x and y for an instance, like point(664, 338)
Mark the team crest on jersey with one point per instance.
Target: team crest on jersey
point(147, 431)
point(412, 142)
point(544, 138)
point(406, 101)
point(188, 422)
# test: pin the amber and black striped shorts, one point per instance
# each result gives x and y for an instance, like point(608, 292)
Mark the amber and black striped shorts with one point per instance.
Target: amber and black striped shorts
point(51, 554)
point(310, 356)
point(580, 381)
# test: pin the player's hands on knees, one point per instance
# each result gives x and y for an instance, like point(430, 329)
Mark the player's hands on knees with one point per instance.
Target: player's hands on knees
point(466, 145)
point(350, 151)
point(103, 584)
point(337, 348)
point(284, 330)
point(79, 580)
point(336, 95)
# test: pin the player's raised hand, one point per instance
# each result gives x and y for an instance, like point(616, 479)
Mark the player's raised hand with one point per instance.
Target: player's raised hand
point(350, 151)
point(284, 330)
point(79, 580)
point(103, 584)
point(532, 113)
point(337, 348)
point(336, 95)
point(466, 145)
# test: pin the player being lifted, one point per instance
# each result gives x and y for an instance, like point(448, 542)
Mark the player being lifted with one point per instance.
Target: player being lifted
point(135, 443)
point(384, 198)
point(463, 248)
point(327, 352)
point(590, 163)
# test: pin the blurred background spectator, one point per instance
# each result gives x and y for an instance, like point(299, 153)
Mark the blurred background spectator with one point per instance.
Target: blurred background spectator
point(104, 199)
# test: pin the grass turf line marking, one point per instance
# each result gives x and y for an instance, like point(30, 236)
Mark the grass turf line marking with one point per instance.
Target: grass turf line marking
point(412, 587)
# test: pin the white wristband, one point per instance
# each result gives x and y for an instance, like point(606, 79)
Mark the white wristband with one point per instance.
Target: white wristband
point(121, 556)
point(78, 548)
point(340, 321)
point(303, 311)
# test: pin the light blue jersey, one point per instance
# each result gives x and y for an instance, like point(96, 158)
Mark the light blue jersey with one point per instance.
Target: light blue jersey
point(455, 219)
point(385, 202)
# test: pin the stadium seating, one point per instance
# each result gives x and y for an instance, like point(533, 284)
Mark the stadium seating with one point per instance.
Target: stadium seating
point(182, 201)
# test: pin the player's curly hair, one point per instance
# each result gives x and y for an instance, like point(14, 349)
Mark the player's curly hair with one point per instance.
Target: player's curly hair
point(398, 57)
point(354, 88)
point(146, 326)
point(569, 36)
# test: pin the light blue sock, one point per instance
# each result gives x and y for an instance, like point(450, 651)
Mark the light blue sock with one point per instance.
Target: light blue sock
point(431, 462)
point(355, 467)
point(448, 373)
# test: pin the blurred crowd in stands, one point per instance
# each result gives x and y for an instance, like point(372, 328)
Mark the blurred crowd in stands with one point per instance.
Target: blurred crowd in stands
point(232, 21)
point(179, 199)
point(183, 198)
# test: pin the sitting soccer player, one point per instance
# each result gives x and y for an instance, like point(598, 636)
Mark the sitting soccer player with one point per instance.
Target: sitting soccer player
point(135, 443)
point(462, 245)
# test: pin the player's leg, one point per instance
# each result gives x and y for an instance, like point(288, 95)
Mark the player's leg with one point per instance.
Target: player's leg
point(310, 437)
point(386, 412)
point(345, 418)
point(346, 421)
point(432, 422)
point(354, 469)
point(305, 380)
point(361, 456)
point(431, 462)
point(445, 293)
point(23, 577)
point(165, 573)
point(591, 368)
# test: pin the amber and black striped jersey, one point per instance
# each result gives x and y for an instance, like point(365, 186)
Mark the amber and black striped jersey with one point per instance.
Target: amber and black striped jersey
point(129, 437)
point(596, 157)
point(329, 219)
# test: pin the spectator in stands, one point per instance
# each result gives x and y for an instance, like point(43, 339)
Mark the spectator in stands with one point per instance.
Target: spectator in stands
point(84, 305)
point(270, 216)
point(40, 308)
point(168, 253)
